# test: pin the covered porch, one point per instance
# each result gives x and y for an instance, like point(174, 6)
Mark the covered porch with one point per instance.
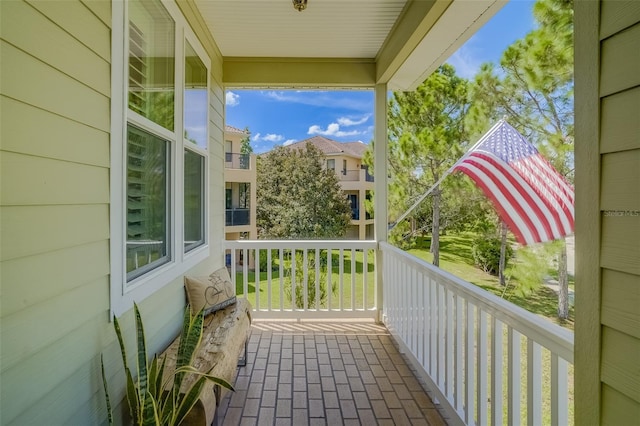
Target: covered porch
point(473, 357)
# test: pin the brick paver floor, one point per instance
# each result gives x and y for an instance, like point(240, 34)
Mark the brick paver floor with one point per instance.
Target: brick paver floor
point(326, 373)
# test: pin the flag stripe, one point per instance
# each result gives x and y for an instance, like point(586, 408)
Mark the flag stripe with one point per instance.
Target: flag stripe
point(550, 193)
point(513, 195)
point(532, 204)
point(513, 220)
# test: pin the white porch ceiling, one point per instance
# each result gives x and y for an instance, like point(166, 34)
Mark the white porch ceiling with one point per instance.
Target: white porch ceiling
point(326, 29)
point(339, 43)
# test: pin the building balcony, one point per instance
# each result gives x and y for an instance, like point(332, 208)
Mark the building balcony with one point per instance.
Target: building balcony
point(237, 217)
point(237, 161)
point(358, 175)
point(483, 359)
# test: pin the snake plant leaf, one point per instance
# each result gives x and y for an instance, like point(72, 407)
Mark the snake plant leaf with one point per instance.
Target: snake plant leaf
point(142, 355)
point(116, 326)
point(150, 411)
point(192, 370)
point(188, 400)
point(153, 372)
point(189, 341)
point(106, 392)
point(159, 377)
point(132, 396)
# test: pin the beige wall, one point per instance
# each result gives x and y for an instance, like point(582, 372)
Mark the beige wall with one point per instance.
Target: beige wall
point(608, 212)
point(54, 207)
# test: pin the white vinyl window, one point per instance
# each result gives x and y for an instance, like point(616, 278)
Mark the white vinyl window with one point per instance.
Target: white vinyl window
point(160, 99)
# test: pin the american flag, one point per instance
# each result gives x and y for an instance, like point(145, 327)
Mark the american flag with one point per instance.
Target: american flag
point(532, 198)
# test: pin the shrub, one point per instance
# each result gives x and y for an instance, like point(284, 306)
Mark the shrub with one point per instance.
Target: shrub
point(486, 254)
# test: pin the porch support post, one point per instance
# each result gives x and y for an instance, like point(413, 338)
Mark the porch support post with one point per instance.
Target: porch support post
point(380, 195)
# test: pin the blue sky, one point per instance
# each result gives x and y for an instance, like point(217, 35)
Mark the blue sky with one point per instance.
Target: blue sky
point(277, 117)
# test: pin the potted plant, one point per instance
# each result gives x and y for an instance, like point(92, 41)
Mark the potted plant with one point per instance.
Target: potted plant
point(152, 400)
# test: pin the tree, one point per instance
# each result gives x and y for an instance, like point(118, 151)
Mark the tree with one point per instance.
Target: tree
point(298, 198)
point(426, 134)
point(245, 144)
point(534, 90)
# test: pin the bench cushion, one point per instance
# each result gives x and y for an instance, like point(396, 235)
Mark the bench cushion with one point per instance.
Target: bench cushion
point(223, 338)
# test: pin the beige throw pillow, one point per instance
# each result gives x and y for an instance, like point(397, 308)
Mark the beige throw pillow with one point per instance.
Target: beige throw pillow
point(212, 293)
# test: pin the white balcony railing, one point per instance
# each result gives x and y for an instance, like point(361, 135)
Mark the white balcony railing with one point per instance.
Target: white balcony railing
point(270, 267)
point(487, 360)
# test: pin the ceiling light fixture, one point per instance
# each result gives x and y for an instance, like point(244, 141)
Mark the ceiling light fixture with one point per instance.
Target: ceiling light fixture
point(299, 5)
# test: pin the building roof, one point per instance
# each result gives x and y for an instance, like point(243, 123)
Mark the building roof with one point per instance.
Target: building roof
point(330, 147)
point(231, 129)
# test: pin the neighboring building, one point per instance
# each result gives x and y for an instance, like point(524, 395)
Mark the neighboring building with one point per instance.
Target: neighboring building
point(346, 159)
point(240, 187)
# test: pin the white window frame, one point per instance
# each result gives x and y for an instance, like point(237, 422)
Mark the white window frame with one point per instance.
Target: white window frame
point(123, 294)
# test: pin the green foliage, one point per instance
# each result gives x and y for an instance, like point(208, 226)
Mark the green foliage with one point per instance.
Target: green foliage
point(310, 302)
point(426, 136)
point(245, 144)
point(298, 198)
point(153, 401)
point(534, 86)
point(486, 254)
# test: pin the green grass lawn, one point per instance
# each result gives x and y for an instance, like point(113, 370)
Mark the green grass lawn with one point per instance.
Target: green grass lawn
point(456, 257)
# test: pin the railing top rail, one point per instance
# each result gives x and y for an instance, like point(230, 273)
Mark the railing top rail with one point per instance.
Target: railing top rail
point(301, 244)
point(542, 331)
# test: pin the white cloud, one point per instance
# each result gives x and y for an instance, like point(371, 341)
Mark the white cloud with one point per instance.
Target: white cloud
point(333, 129)
point(346, 122)
point(288, 142)
point(232, 99)
point(270, 137)
point(320, 99)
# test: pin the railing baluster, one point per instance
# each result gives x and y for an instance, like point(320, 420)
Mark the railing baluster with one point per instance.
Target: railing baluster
point(514, 377)
point(353, 279)
point(317, 260)
point(433, 327)
point(497, 354)
point(256, 275)
point(341, 277)
point(481, 328)
point(420, 317)
point(281, 277)
point(365, 273)
point(329, 278)
point(293, 280)
point(427, 320)
point(245, 273)
point(470, 387)
point(450, 347)
point(305, 279)
point(233, 273)
point(442, 366)
point(269, 274)
point(459, 399)
point(534, 383)
point(559, 391)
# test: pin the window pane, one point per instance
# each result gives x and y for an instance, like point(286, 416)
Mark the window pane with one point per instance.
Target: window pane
point(193, 200)
point(151, 62)
point(195, 98)
point(147, 202)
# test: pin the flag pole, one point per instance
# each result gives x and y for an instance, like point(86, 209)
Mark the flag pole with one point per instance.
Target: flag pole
point(449, 170)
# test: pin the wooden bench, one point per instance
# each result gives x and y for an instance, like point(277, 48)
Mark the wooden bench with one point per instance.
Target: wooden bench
point(224, 339)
